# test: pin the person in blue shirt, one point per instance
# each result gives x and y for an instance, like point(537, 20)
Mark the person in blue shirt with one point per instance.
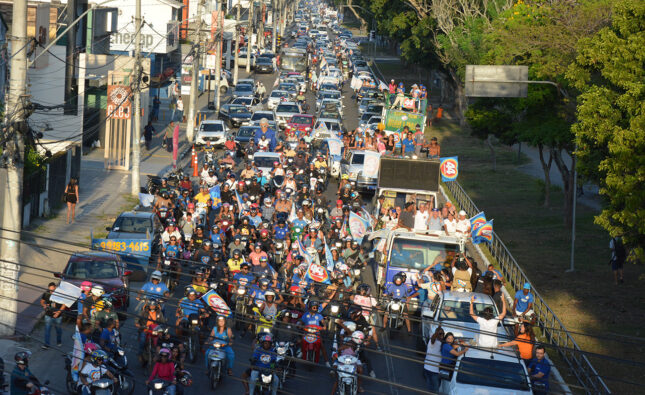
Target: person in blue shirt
point(108, 336)
point(154, 288)
point(450, 351)
point(188, 305)
point(264, 358)
point(22, 380)
point(299, 222)
point(398, 290)
point(269, 133)
point(539, 371)
point(243, 277)
point(523, 306)
point(259, 290)
point(408, 144)
point(313, 317)
point(280, 231)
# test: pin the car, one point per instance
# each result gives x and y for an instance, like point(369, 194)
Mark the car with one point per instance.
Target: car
point(362, 167)
point(264, 161)
point(135, 225)
point(481, 371)
point(322, 95)
point(249, 81)
point(234, 114)
point(333, 128)
point(243, 135)
point(211, 130)
point(251, 102)
point(289, 87)
point(364, 102)
point(264, 65)
point(243, 90)
point(100, 267)
point(211, 83)
point(364, 119)
point(241, 59)
point(276, 97)
point(301, 123)
point(284, 111)
point(333, 106)
point(259, 115)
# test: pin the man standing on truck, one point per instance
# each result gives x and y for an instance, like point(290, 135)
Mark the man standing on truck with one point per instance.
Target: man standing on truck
point(406, 219)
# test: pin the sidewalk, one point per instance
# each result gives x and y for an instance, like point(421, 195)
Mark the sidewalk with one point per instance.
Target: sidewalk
point(104, 194)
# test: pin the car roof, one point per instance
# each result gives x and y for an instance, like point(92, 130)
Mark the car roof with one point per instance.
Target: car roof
point(499, 354)
point(328, 120)
point(287, 102)
point(216, 121)
point(465, 296)
point(93, 255)
point(305, 115)
point(266, 155)
point(137, 214)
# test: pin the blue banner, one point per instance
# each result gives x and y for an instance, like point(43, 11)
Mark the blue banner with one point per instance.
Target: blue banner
point(476, 222)
point(484, 234)
point(357, 226)
point(449, 168)
point(216, 196)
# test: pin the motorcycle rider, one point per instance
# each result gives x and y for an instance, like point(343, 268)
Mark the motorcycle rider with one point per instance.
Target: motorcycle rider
point(90, 302)
point(188, 305)
point(165, 370)
point(355, 315)
point(337, 212)
point(314, 318)
point(154, 288)
point(22, 380)
point(248, 173)
point(264, 357)
point(171, 230)
point(223, 334)
point(398, 290)
point(94, 370)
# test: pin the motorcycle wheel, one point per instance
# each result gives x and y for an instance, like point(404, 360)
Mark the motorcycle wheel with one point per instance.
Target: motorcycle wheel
point(72, 387)
point(151, 357)
point(194, 347)
point(127, 385)
point(214, 378)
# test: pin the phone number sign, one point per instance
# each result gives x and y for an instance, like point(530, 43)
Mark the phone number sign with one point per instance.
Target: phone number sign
point(127, 246)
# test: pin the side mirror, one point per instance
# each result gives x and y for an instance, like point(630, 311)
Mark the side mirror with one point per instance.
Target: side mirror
point(127, 273)
point(57, 275)
point(108, 228)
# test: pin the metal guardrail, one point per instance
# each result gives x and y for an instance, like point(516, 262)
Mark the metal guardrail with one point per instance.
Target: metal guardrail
point(552, 328)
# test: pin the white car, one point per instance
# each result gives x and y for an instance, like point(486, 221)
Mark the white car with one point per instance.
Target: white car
point(264, 161)
point(214, 131)
point(285, 110)
point(480, 371)
point(275, 98)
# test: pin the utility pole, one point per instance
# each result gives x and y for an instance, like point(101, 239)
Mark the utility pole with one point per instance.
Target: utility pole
point(12, 169)
point(136, 132)
point(197, 44)
point(261, 27)
point(219, 33)
point(274, 23)
point(71, 107)
point(250, 36)
point(237, 42)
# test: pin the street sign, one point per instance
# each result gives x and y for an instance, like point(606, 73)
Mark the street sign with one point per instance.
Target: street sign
point(496, 81)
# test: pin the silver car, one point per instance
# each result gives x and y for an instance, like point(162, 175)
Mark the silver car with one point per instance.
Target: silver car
point(276, 97)
point(285, 110)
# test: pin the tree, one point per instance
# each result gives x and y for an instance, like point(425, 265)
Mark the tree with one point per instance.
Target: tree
point(610, 129)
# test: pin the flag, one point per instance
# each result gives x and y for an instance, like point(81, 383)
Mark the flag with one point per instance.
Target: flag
point(368, 217)
point(77, 354)
point(317, 273)
point(357, 226)
point(343, 230)
point(216, 196)
point(302, 251)
point(292, 214)
point(322, 128)
point(449, 168)
point(477, 221)
point(484, 233)
point(382, 86)
point(217, 303)
point(328, 257)
point(239, 203)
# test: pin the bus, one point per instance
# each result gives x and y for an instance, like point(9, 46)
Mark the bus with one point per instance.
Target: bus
point(293, 59)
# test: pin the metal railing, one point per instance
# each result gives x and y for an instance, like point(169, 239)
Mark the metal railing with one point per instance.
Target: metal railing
point(553, 329)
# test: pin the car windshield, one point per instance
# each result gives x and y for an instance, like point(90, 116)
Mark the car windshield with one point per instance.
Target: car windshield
point(264, 161)
point(246, 131)
point(294, 63)
point(212, 127)
point(454, 310)
point(238, 110)
point(264, 60)
point(92, 269)
point(358, 159)
point(244, 87)
point(287, 86)
point(259, 115)
point(300, 120)
point(279, 94)
point(130, 224)
point(287, 108)
point(419, 254)
point(484, 373)
point(374, 108)
point(244, 100)
point(334, 126)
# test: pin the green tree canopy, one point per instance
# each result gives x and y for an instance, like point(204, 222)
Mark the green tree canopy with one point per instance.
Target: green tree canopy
point(610, 129)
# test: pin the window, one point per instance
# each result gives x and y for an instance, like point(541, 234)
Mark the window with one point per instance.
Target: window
point(212, 127)
point(246, 132)
point(238, 110)
point(300, 120)
point(91, 269)
point(265, 161)
point(259, 115)
point(358, 159)
point(492, 373)
point(453, 310)
point(419, 254)
point(129, 224)
point(287, 108)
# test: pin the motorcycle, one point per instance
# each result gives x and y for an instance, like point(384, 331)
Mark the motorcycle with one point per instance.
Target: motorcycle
point(284, 359)
point(102, 386)
point(118, 366)
point(395, 314)
point(262, 323)
point(278, 256)
point(158, 387)
point(149, 351)
point(346, 371)
point(216, 358)
point(192, 340)
point(169, 272)
point(334, 313)
point(311, 344)
point(241, 301)
point(164, 213)
point(265, 380)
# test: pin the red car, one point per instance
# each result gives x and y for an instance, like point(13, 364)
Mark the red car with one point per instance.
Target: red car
point(103, 268)
point(301, 124)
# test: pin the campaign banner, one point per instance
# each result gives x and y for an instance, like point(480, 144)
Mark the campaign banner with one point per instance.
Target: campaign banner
point(449, 168)
point(395, 120)
point(317, 273)
point(217, 303)
point(216, 196)
point(476, 222)
point(484, 233)
point(66, 293)
point(329, 257)
point(357, 226)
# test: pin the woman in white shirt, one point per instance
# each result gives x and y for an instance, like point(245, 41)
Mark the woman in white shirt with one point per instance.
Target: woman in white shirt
point(450, 225)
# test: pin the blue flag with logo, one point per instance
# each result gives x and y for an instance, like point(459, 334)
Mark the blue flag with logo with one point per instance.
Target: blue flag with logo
point(484, 234)
point(357, 226)
point(216, 196)
point(329, 257)
point(477, 221)
point(239, 203)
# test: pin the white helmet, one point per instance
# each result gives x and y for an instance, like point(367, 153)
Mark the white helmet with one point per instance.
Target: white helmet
point(156, 275)
point(358, 337)
point(98, 291)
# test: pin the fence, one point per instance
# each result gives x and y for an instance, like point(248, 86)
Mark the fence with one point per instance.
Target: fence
point(552, 328)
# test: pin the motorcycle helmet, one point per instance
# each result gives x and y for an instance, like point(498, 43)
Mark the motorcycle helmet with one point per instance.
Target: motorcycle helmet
point(264, 259)
point(86, 286)
point(312, 304)
point(90, 347)
point(97, 291)
point(22, 358)
point(217, 255)
point(165, 195)
point(153, 304)
point(164, 352)
point(358, 337)
point(399, 276)
point(264, 282)
point(186, 379)
point(190, 290)
point(245, 264)
point(236, 254)
point(207, 243)
point(266, 337)
point(156, 275)
point(364, 287)
point(98, 357)
point(264, 232)
point(269, 293)
point(306, 202)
